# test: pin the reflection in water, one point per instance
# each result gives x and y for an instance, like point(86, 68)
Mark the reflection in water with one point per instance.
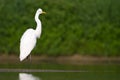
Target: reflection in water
point(26, 76)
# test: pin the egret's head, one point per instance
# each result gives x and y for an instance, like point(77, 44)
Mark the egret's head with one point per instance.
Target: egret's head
point(40, 11)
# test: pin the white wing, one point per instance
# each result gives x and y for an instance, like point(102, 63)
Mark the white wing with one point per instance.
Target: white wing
point(27, 43)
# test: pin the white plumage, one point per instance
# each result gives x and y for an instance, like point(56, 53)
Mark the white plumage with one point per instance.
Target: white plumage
point(28, 42)
point(29, 38)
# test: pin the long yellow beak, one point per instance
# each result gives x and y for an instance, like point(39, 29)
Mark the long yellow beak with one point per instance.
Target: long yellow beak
point(43, 12)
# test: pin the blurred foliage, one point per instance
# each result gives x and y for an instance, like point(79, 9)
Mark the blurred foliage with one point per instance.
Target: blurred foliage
point(86, 27)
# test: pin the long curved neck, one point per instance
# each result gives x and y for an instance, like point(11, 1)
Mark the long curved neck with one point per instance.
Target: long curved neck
point(38, 27)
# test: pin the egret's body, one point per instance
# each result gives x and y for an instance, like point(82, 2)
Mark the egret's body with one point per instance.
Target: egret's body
point(29, 38)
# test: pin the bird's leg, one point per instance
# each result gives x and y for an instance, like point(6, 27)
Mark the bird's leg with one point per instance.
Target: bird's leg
point(29, 61)
point(30, 57)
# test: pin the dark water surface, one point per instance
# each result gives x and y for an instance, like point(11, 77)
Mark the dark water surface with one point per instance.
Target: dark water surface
point(60, 76)
point(59, 72)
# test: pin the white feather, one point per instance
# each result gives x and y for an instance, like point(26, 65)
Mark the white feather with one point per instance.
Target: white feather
point(27, 43)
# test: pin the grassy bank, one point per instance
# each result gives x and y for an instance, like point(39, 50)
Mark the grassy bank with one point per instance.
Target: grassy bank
point(70, 60)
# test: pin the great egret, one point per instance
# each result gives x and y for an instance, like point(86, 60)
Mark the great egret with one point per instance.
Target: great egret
point(29, 38)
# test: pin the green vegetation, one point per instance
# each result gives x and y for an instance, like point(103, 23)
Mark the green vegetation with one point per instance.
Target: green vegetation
point(86, 27)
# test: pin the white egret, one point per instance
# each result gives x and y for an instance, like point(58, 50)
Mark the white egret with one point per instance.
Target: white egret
point(29, 38)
